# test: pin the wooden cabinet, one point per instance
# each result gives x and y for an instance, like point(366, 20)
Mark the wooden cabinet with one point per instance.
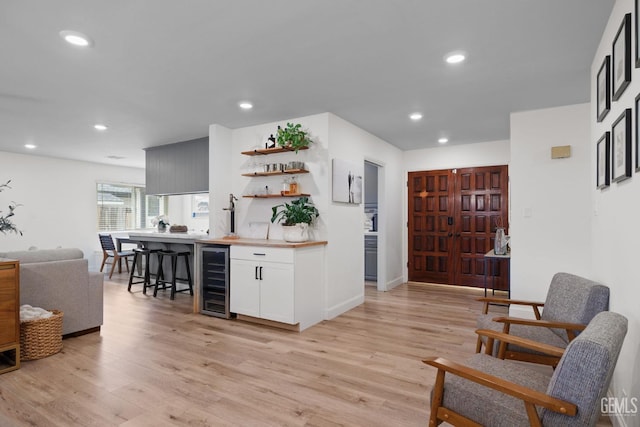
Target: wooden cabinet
point(9, 315)
point(278, 284)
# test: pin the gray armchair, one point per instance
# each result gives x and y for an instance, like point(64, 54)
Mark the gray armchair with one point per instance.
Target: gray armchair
point(572, 301)
point(493, 392)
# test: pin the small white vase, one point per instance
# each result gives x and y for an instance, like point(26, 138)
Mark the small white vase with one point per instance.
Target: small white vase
point(295, 233)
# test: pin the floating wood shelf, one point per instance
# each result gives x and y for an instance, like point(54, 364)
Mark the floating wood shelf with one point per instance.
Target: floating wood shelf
point(274, 196)
point(265, 151)
point(285, 172)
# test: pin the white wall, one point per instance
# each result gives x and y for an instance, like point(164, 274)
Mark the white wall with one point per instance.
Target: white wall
point(59, 201)
point(447, 157)
point(457, 156)
point(348, 142)
point(340, 224)
point(616, 228)
point(550, 199)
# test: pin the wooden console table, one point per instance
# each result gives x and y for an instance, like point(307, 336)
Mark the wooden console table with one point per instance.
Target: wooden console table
point(9, 315)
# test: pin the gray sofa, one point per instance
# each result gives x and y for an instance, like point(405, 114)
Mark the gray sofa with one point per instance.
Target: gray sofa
point(60, 279)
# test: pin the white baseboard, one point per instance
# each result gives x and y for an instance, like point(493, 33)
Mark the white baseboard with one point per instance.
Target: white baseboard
point(343, 307)
point(393, 283)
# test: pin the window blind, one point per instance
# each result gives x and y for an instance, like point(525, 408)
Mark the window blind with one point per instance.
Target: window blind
point(126, 207)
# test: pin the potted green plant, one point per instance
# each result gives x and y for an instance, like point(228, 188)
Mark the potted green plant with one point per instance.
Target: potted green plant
point(295, 217)
point(5, 223)
point(292, 136)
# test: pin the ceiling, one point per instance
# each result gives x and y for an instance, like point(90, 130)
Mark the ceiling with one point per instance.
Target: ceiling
point(161, 71)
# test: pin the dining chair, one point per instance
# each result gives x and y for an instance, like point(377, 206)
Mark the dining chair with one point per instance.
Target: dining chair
point(109, 251)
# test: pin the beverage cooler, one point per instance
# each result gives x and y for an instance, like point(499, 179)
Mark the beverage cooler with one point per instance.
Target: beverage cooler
point(215, 281)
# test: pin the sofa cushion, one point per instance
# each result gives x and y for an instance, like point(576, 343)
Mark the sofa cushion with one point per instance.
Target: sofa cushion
point(44, 255)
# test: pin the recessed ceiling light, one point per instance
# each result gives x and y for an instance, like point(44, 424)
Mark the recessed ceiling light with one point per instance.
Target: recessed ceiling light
point(454, 57)
point(75, 38)
point(246, 105)
point(415, 116)
point(30, 146)
point(100, 127)
point(443, 140)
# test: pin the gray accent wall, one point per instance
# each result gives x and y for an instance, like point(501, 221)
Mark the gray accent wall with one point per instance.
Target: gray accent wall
point(179, 168)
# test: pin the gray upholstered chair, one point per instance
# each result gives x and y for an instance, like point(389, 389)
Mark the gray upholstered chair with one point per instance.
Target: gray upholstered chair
point(493, 392)
point(572, 301)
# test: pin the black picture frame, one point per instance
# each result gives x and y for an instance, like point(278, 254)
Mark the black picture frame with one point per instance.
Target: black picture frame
point(621, 147)
point(621, 58)
point(603, 163)
point(603, 89)
point(637, 135)
point(637, 33)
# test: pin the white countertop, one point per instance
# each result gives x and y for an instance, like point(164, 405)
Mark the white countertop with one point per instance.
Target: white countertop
point(190, 237)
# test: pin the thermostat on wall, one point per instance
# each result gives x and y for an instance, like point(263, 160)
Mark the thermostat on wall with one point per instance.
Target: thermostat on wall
point(561, 152)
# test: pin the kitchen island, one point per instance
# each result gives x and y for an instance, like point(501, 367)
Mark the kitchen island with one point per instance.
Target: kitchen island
point(180, 242)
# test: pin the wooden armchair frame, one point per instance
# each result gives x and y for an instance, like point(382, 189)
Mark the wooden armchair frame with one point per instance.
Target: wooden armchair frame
point(503, 352)
point(530, 397)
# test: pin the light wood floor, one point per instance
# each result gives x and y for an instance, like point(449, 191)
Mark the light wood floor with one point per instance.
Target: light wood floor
point(155, 363)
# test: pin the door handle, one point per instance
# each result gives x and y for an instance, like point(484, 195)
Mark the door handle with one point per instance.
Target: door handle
point(450, 235)
point(256, 273)
point(260, 273)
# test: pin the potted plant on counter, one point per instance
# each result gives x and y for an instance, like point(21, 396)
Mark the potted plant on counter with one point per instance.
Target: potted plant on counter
point(292, 136)
point(295, 217)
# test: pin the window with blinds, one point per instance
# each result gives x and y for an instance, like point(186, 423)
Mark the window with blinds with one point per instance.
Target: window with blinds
point(127, 207)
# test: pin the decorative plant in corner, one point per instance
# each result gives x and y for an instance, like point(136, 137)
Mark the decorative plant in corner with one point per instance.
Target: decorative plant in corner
point(292, 136)
point(5, 223)
point(296, 218)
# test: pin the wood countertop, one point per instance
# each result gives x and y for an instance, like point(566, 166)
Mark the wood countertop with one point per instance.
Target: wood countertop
point(261, 242)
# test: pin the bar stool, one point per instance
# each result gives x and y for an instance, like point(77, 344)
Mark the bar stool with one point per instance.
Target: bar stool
point(142, 255)
point(161, 283)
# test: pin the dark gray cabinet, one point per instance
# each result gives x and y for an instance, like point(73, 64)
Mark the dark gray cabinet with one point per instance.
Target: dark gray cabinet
point(371, 258)
point(180, 168)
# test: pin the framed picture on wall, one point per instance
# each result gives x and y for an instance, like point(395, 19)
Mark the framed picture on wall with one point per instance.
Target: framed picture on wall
point(621, 147)
point(621, 58)
point(346, 182)
point(637, 136)
point(602, 161)
point(603, 89)
point(637, 33)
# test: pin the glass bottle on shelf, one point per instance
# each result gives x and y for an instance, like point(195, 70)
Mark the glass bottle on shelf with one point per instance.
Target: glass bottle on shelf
point(285, 186)
point(293, 186)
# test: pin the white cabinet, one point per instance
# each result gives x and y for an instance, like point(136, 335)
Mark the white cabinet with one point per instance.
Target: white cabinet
point(278, 284)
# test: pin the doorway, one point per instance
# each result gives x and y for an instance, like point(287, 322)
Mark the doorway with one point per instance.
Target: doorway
point(453, 215)
point(371, 224)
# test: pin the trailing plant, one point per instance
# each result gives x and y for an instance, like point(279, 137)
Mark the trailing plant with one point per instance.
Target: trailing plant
point(296, 212)
point(293, 136)
point(6, 225)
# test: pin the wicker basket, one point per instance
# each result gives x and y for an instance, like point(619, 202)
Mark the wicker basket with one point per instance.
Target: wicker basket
point(41, 337)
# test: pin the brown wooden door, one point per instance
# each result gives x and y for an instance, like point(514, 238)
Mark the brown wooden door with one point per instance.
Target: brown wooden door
point(430, 234)
point(452, 222)
point(481, 199)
